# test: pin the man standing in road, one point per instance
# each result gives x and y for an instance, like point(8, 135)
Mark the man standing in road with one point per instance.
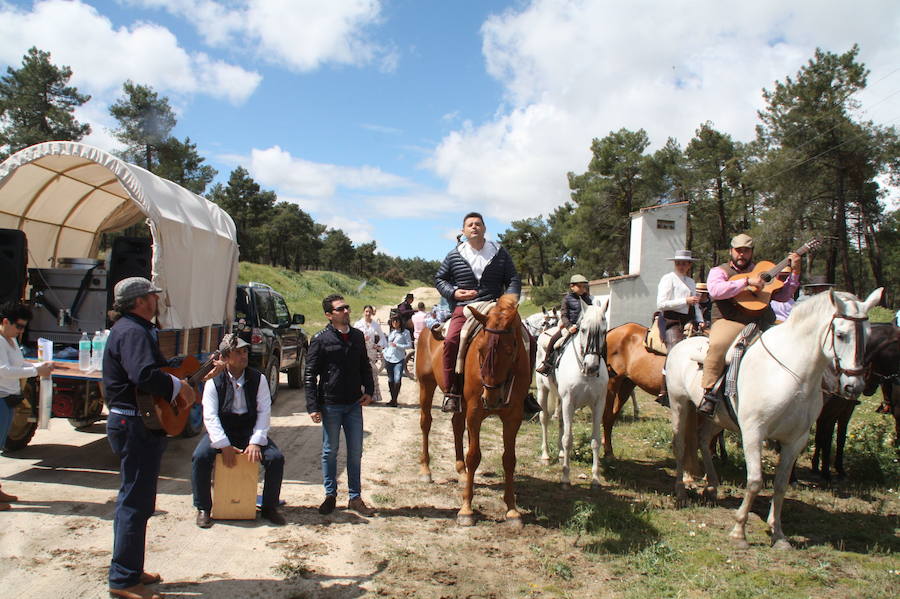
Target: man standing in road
point(339, 382)
point(476, 270)
point(237, 410)
point(131, 364)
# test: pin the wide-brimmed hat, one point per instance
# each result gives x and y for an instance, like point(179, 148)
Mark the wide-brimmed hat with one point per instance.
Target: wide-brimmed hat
point(818, 281)
point(683, 256)
point(701, 288)
point(577, 279)
point(742, 240)
point(134, 287)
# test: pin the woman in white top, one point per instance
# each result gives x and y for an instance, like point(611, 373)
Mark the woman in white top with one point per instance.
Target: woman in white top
point(375, 342)
point(678, 304)
point(677, 299)
point(14, 318)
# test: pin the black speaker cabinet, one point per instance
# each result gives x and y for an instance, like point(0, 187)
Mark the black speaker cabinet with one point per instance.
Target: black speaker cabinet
point(13, 264)
point(128, 257)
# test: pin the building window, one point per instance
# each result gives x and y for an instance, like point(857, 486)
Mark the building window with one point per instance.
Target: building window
point(665, 224)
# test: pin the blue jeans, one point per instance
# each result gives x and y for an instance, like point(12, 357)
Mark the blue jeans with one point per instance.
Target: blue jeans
point(140, 453)
point(334, 417)
point(202, 467)
point(394, 371)
point(6, 418)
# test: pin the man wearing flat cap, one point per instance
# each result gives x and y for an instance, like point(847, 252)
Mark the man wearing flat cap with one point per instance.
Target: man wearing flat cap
point(728, 319)
point(236, 411)
point(131, 364)
point(579, 291)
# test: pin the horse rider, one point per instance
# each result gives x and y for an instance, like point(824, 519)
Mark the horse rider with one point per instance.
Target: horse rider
point(475, 270)
point(678, 304)
point(571, 309)
point(728, 319)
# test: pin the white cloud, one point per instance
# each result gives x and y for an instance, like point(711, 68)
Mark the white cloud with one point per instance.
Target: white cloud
point(575, 70)
point(358, 231)
point(301, 34)
point(102, 56)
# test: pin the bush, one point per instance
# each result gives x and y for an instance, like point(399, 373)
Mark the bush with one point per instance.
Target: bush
point(871, 455)
point(394, 276)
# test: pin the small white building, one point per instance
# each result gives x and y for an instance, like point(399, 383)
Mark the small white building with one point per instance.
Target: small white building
point(656, 233)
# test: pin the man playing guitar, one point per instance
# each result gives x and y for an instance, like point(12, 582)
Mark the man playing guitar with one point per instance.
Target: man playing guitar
point(728, 318)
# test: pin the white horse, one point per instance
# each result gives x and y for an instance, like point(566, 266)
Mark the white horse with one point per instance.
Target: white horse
point(580, 380)
point(779, 393)
point(539, 322)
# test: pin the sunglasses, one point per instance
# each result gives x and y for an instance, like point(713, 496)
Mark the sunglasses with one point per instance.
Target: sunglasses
point(341, 309)
point(20, 325)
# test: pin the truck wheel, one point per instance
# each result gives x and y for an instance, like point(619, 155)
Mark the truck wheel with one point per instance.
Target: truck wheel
point(21, 431)
point(272, 377)
point(295, 374)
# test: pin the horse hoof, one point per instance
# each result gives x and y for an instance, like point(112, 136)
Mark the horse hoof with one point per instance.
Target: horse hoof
point(596, 484)
point(711, 495)
point(465, 519)
point(545, 461)
point(740, 543)
point(782, 545)
point(425, 478)
point(515, 522)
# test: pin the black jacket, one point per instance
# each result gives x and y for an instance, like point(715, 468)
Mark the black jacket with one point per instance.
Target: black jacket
point(499, 278)
point(571, 307)
point(132, 360)
point(337, 371)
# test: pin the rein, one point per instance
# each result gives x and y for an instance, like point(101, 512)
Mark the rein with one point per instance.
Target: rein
point(594, 346)
point(490, 358)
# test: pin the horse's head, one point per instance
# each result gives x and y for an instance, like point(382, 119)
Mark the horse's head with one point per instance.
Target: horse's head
point(882, 355)
point(592, 335)
point(845, 340)
point(497, 350)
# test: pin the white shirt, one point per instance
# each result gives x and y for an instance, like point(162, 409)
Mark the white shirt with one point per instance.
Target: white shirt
point(13, 367)
point(370, 330)
point(672, 294)
point(478, 259)
point(217, 436)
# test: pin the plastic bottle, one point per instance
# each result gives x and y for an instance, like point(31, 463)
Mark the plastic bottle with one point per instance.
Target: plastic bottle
point(84, 352)
point(97, 350)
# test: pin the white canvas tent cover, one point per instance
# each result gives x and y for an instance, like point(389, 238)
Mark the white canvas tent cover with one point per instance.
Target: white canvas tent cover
point(63, 195)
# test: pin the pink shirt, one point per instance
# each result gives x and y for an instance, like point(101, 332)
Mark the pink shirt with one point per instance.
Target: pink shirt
point(418, 320)
point(721, 288)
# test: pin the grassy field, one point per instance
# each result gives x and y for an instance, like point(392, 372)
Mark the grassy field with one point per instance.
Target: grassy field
point(631, 533)
point(304, 291)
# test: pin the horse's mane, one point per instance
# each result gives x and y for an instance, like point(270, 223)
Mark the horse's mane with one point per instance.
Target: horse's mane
point(819, 305)
point(502, 314)
point(591, 318)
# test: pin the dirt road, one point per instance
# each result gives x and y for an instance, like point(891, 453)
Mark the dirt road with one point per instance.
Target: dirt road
point(56, 541)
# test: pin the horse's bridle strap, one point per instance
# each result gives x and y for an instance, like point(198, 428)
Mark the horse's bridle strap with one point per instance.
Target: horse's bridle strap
point(860, 344)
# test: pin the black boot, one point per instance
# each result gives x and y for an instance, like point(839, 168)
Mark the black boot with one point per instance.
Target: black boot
point(546, 366)
point(663, 397)
point(708, 405)
point(395, 391)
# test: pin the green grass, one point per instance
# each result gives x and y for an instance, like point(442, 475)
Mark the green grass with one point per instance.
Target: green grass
point(304, 291)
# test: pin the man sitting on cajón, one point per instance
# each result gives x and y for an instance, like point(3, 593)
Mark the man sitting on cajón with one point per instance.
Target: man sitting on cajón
point(728, 319)
point(236, 410)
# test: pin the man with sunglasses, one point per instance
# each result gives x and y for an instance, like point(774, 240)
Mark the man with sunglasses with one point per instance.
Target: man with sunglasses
point(339, 382)
point(14, 318)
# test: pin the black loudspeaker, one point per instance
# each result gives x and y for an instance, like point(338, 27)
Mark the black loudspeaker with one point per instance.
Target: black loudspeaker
point(13, 264)
point(128, 257)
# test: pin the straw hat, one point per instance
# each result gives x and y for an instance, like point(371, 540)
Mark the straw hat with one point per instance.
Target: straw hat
point(701, 288)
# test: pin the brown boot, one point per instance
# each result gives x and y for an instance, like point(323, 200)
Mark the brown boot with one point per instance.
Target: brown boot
point(708, 405)
point(452, 403)
point(7, 498)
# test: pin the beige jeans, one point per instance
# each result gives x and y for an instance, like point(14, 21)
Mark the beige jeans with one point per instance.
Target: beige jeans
point(721, 335)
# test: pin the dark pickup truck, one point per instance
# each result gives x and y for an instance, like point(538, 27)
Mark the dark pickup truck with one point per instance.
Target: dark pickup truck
point(277, 342)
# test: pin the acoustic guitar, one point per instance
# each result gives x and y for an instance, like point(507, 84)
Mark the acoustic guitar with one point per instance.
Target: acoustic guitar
point(753, 300)
point(172, 416)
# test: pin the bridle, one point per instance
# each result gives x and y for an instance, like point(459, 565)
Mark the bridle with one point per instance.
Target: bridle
point(594, 346)
point(859, 350)
point(487, 365)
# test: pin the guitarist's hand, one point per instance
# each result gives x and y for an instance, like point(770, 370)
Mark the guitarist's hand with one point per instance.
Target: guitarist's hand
point(795, 262)
point(219, 366)
point(253, 453)
point(229, 456)
point(186, 397)
point(755, 281)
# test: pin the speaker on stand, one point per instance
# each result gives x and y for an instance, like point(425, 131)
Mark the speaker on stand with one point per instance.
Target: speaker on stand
point(13, 264)
point(128, 257)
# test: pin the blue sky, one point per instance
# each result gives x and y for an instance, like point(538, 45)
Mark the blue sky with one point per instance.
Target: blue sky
point(392, 118)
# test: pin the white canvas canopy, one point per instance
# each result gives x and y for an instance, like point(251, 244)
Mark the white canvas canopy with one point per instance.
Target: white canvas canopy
point(63, 195)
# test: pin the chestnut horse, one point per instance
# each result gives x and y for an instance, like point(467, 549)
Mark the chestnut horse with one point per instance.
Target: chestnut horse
point(497, 376)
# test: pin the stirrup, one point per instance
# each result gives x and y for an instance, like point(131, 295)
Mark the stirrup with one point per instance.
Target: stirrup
point(452, 403)
point(544, 368)
point(662, 399)
point(708, 406)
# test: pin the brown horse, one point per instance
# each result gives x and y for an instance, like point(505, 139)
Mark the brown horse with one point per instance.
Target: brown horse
point(631, 364)
point(497, 376)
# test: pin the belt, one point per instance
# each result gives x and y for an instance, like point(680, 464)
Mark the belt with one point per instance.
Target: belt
point(123, 411)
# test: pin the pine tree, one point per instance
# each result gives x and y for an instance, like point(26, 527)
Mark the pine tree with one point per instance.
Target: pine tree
point(37, 104)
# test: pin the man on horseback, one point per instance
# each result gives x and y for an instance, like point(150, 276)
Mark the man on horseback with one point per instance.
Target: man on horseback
point(475, 270)
point(728, 319)
point(579, 291)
